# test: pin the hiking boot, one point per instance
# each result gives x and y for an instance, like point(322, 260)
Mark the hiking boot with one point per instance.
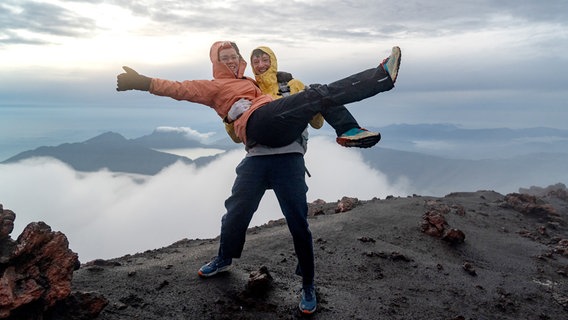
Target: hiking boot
point(359, 138)
point(392, 63)
point(215, 266)
point(309, 303)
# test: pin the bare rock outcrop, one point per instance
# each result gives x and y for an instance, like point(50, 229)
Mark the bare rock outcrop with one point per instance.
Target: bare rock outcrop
point(346, 204)
point(528, 204)
point(320, 207)
point(434, 222)
point(558, 190)
point(36, 271)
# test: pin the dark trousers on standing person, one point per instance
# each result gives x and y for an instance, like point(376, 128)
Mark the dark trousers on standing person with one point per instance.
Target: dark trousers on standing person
point(285, 174)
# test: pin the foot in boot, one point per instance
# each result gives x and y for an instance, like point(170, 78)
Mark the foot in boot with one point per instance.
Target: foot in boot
point(392, 63)
point(359, 138)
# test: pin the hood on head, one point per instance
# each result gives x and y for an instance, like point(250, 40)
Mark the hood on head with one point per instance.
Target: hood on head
point(273, 62)
point(220, 70)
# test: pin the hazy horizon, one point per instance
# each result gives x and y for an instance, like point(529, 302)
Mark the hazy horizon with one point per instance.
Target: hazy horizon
point(108, 214)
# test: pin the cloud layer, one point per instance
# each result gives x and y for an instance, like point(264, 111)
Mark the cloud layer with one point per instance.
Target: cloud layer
point(106, 215)
point(307, 19)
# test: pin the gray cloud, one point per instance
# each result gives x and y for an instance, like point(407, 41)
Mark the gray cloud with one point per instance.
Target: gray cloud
point(40, 19)
point(342, 19)
point(297, 21)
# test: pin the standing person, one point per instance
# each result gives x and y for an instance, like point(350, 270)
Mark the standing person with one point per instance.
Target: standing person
point(235, 98)
point(280, 169)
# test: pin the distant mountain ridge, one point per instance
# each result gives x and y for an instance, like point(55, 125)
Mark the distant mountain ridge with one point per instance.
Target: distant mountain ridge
point(465, 159)
point(435, 175)
point(112, 151)
point(451, 141)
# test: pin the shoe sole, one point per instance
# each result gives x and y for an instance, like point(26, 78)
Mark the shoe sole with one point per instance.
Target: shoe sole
point(207, 275)
point(306, 311)
point(397, 55)
point(359, 143)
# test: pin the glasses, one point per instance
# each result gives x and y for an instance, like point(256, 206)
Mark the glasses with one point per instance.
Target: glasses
point(229, 58)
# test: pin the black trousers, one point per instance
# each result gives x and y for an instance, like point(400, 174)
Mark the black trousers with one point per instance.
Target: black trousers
point(282, 121)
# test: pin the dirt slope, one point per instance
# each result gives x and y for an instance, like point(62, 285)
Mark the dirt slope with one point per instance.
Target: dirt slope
point(372, 262)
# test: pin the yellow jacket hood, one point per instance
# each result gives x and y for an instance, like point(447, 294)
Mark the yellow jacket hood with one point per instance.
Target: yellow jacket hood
point(267, 81)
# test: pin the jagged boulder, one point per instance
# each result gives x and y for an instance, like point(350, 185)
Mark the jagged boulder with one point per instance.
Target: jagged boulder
point(7, 218)
point(434, 222)
point(36, 272)
point(346, 204)
point(528, 204)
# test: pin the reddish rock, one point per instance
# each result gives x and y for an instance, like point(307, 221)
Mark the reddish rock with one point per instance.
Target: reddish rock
point(259, 282)
point(40, 269)
point(454, 236)
point(346, 204)
point(36, 272)
point(528, 204)
point(7, 218)
point(316, 208)
point(434, 223)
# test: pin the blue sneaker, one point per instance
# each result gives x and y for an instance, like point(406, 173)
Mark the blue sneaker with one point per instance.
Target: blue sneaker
point(309, 303)
point(392, 63)
point(358, 137)
point(215, 266)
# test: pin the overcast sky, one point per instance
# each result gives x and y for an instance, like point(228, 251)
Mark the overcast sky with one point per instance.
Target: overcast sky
point(477, 64)
point(474, 63)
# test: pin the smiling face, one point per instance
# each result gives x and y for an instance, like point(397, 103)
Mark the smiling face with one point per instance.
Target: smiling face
point(260, 63)
point(230, 58)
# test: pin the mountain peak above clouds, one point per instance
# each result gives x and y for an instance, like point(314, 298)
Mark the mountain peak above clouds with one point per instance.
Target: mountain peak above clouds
point(433, 158)
point(108, 150)
point(107, 138)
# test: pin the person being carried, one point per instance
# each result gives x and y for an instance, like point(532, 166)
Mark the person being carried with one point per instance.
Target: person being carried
point(275, 83)
point(258, 119)
point(281, 84)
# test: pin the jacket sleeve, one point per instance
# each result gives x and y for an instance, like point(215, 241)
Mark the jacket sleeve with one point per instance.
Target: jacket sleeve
point(199, 91)
point(297, 86)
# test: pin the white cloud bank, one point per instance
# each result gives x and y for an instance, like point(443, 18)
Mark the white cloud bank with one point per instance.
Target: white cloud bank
point(189, 133)
point(106, 215)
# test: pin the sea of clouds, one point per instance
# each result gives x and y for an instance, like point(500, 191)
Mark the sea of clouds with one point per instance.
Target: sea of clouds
point(106, 214)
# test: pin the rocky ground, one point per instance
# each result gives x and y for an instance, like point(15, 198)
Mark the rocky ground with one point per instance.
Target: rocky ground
point(479, 255)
